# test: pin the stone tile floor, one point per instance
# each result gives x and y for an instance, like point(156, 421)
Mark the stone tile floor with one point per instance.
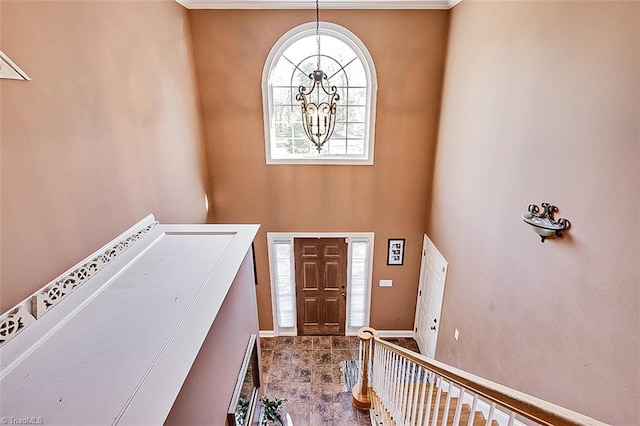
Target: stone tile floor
point(306, 371)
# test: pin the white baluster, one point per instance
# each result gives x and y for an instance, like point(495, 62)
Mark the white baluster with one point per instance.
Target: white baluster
point(512, 419)
point(391, 385)
point(386, 365)
point(384, 373)
point(389, 376)
point(417, 386)
point(429, 399)
point(447, 404)
point(423, 391)
point(474, 406)
point(456, 417)
point(436, 406)
point(371, 344)
point(405, 390)
point(390, 371)
point(410, 391)
point(396, 387)
point(399, 384)
point(375, 382)
point(385, 389)
point(492, 412)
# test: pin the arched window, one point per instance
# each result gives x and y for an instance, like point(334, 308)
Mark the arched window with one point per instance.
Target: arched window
point(349, 67)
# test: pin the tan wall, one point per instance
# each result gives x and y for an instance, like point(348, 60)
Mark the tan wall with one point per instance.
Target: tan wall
point(541, 103)
point(389, 198)
point(108, 131)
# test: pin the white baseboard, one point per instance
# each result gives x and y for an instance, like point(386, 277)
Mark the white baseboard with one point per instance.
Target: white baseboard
point(272, 333)
point(393, 334)
point(385, 334)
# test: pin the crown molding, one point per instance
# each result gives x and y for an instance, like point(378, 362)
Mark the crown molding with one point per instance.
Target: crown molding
point(325, 4)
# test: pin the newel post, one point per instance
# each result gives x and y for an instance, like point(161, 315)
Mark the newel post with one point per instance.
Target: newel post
point(360, 396)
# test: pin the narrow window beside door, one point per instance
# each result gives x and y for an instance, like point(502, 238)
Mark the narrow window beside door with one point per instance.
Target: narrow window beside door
point(284, 285)
point(358, 294)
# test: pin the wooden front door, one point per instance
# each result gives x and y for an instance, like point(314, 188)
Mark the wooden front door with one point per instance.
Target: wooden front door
point(321, 285)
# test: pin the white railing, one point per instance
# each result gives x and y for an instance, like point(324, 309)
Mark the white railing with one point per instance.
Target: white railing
point(409, 389)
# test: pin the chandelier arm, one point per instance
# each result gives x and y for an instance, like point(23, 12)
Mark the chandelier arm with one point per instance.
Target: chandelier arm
point(333, 90)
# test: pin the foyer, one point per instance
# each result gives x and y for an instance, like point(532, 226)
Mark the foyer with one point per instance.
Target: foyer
point(306, 371)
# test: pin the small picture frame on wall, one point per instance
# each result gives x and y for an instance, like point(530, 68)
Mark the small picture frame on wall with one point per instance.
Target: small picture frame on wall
point(395, 252)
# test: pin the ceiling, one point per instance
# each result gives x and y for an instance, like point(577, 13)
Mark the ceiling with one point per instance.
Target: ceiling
point(324, 4)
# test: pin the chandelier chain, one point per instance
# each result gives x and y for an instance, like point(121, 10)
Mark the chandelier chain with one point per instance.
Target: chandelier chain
point(319, 117)
point(318, 29)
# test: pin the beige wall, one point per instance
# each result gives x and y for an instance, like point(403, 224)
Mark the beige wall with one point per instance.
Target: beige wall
point(541, 103)
point(205, 395)
point(389, 198)
point(108, 131)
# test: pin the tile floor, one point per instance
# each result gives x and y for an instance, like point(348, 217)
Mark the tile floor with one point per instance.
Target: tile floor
point(306, 371)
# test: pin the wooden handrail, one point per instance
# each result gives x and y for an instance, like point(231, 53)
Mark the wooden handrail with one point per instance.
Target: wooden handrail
point(530, 407)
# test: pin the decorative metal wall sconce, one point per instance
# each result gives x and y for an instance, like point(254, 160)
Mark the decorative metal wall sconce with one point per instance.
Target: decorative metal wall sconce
point(543, 222)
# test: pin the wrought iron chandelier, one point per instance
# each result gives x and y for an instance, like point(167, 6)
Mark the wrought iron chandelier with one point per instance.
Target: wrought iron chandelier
point(319, 117)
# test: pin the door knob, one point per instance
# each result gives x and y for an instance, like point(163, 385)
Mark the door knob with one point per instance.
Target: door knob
point(433, 327)
point(343, 294)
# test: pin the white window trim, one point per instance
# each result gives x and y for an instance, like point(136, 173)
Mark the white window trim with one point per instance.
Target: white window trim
point(280, 237)
point(295, 34)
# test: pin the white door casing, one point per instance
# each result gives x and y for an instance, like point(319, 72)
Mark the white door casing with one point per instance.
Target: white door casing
point(359, 276)
point(433, 273)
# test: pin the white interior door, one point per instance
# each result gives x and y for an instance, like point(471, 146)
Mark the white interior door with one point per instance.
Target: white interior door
point(421, 320)
point(433, 273)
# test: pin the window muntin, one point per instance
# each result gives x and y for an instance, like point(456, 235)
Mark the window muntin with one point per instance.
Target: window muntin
point(349, 67)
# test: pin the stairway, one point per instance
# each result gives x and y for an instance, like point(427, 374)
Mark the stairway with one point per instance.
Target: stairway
point(404, 388)
point(380, 416)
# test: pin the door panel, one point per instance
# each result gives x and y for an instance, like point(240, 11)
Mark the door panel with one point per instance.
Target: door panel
point(332, 309)
point(321, 280)
point(311, 311)
point(310, 276)
point(332, 276)
point(309, 250)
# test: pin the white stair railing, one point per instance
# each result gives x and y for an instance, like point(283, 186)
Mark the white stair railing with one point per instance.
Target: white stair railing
point(409, 389)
